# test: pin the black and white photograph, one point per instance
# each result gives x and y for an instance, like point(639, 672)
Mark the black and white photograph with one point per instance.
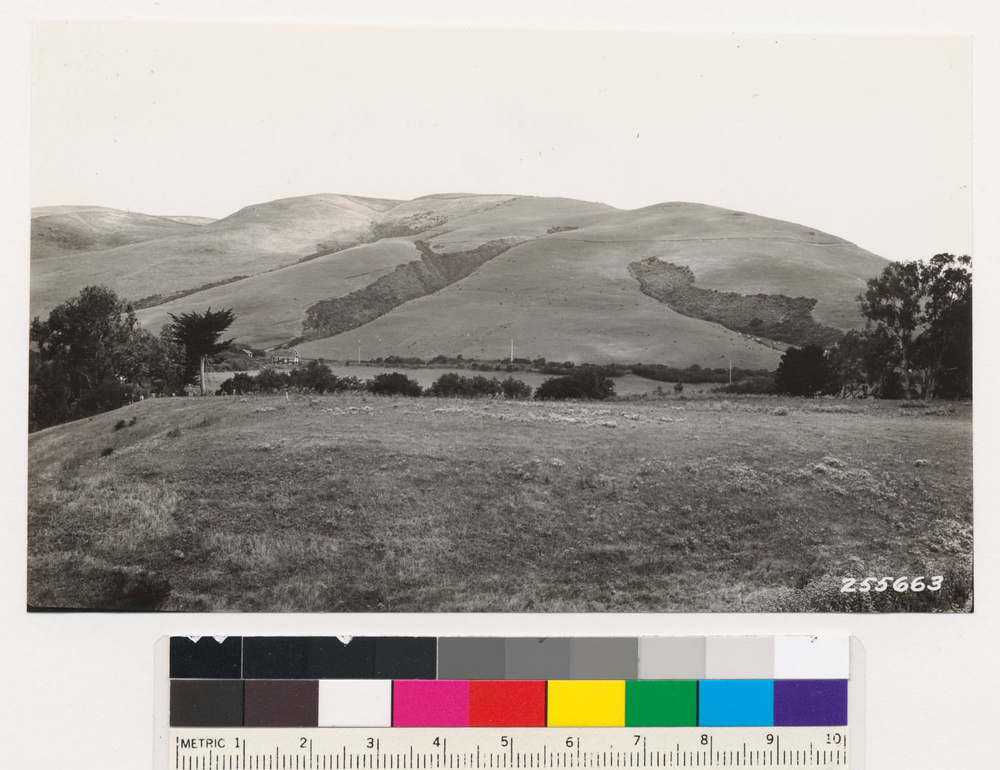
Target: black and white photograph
point(380, 319)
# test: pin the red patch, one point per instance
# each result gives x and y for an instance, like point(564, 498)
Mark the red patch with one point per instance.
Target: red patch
point(506, 704)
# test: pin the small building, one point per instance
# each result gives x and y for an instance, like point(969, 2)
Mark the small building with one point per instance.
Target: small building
point(293, 358)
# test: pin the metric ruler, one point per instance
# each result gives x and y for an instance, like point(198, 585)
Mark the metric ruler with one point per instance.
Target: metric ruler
point(506, 748)
point(397, 703)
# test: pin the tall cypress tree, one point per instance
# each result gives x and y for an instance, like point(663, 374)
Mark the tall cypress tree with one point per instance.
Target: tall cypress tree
point(198, 334)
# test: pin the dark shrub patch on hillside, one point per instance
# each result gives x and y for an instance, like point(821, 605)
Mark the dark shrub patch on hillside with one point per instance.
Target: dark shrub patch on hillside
point(400, 228)
point(774, 316)
point(161, 299)
point(584, 384)
point(419, 278)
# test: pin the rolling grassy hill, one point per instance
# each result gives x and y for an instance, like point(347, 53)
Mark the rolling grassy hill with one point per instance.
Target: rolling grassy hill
point(561, 287)
point(352, 503)
point(251, 241)
point(270, 307)
point(60, 230)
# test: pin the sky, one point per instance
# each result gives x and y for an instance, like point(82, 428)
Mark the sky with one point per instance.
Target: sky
point(865, 137)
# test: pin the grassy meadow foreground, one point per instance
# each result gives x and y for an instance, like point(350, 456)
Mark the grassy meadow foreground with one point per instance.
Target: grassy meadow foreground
point(353, 503)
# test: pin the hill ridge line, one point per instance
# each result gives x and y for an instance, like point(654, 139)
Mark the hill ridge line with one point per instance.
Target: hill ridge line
point(683, 240)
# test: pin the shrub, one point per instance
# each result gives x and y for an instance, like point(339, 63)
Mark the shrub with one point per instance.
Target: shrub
point(270, 381)
point(108, 395)
point(480, 386)
point(316, 376)
point(449, 385)
point(805, 372)
point(456, 385)
point(352, 383)
point(679, 388)
point(515, 389)
point(394, 384)
point(240, 384)
point(119, 425)
point(583, 384)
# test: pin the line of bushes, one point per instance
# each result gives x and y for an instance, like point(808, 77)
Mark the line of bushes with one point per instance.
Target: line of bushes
point(317, 377)
point(694, 373)
point(659, 372)
point(452, 385)
point(757, 385)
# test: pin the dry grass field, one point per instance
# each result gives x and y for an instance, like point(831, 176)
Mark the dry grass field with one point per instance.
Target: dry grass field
point(354, 503)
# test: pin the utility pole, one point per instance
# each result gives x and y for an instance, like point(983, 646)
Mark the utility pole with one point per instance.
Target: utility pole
point(359, 352)
point(203, 374)
point(512, 350)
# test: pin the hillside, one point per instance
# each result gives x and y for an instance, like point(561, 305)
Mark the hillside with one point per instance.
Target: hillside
point(464, 274)
point(62, 230)
point(354, 503)
point(566, 291)
point(270, 308)
point(249, 242)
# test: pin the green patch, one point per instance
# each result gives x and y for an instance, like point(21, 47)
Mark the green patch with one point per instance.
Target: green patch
point(661, 703)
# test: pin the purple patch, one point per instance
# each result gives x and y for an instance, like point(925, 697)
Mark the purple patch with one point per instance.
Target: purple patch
point(810, 702)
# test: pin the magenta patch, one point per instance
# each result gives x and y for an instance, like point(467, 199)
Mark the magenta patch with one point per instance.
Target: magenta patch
point(430, 703)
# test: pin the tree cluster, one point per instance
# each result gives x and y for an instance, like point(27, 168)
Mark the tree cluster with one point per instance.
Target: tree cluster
point(917, 340)
point(91, 355)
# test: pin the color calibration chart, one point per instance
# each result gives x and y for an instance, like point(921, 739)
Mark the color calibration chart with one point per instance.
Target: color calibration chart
point(416, 703)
